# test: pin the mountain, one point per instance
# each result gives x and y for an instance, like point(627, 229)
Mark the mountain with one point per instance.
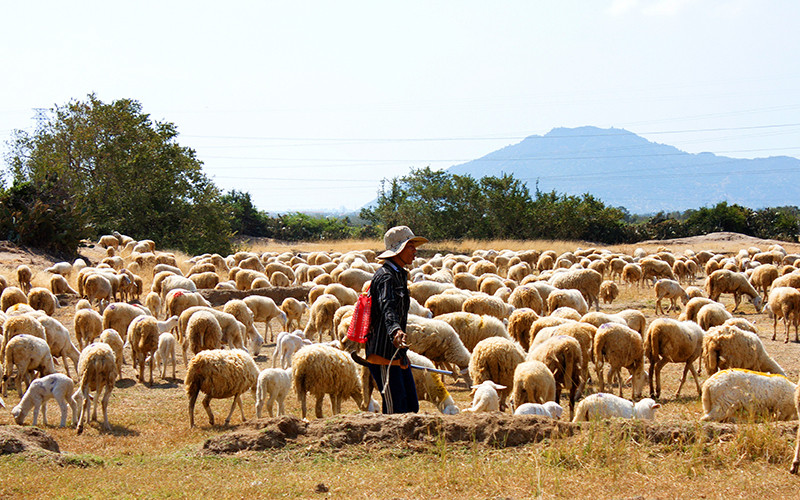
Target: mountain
point(623, 169)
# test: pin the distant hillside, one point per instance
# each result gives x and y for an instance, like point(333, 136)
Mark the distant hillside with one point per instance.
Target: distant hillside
point(622, 169)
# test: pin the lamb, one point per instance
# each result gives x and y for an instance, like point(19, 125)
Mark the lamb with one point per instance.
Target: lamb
point(274, 384)
point(724, 281)
point(496, 358)
point(609, 291)
point(265, 310)
point(59, 285)
point(220, 374)
point(487, 305)
point(784, 303)
point(88, 324)
point(54, 386)
point(533, 383)
point(567, 298)
point(550, 409)
point(114, 340)
point(603, 405)
point(321, 317)
point(165, 353)
point(485, 397)
point(293, 309)
point(24, 278)
point(472, 328)
point(10, 296)
point(668, 340)
point(671, 290)
point(562, 356)
point(321, 369)
point(28, 354)
point(727, 346)
point(622, 348)
point(437, 341)
point(711, 315)
point(288, 344)
point(733, 392)
point(586, 281)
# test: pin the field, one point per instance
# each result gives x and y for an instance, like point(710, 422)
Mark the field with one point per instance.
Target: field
point(151, 452)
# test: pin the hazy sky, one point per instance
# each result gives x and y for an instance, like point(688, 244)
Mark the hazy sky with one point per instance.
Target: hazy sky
point(308, 105)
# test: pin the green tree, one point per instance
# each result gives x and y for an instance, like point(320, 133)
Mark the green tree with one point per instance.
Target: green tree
point(125, 173)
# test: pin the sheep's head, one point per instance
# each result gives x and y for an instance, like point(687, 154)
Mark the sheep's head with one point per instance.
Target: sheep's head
point(757, 303)
point(19, 416)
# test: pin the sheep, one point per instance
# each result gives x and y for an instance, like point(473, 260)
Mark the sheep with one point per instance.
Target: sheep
point(12, 295)
point(437, 341)
point(724, 281)
point(622, 347)
point(562, 356)
point(293, 309)
point(42, 299)
point(487, 305)
point(762, 278)
point(54, 386)
point(550, 409)
point(597, 319)
point(582, 332)
point(415, 308)
point(729, 393)
point(656, 269)
point(632, 273)
point(445, 303)
point(423, 290)
point(321, 316)
point(179, 300)
point(344, 295)
point(586, 281)
point(354, 278)
point(60, 268)
point(693, 307)
point(203, 332)
point(114, 340)
point(796, 459)
point(567, 298)
point(143, 335)
point(24, 278)
point(609, 291)
point(97, 287)
point(519, 326)
point(672, 290)
point(668, 340)
point(174, 282)
point(27, 353)
point(265, 310)
point(694, 291)
point(527, 296)
point(88, 324)
point(239, 310)
point(288, 344)
point(165, 353)
point(119, 315)
point(495, 358)
point(485, 397)
point(533, 383)
point(727, 346)
point(59, 341)
point(59, 285)
point(275, 384)
point(208, 279)
point(604, 405)
point(21, 324)
point(784, 303)
point(152, 302)
point(220, 374)
point(472, 328)
point(711, 315)
point(320, 369)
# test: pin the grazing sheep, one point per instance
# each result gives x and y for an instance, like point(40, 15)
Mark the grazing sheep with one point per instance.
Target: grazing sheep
point(119, 316)
point(598, 319)
point(567, 298)
point(711, 315)
point(693, 307)
point(179, 300)
point(59, 285)
point(496, 358)
point(533, 383)
point(59, 341)
point(672, 290)
point(21, 324)
point(519, 326)
point(733, 392)
point(203, 332)
point(582, 332)
point(10, 296)
point(603, 405)
point(762, 278)
point(609, 291)
point(60, 268)
point(288, 343)
point(437, 341)
point(562, 356)
point(153, 303)
point(354, 278)
point(28, 354)
point(622, 347)
point(632, 273)
point(586, 281)
point(207, 280)
point(24, 278)
point(653, 268)
point(694, 291)
point(239, 310)
point(343, 294)
point(527, 296)
point(724, 281)
point(472, 328)
point(97, 289)
point(784, 303)
point(293, 309)
point(445, 303)
point(173, 282)
point(321, 369)
point(487, 305)
point(54, 386)
point(796, 459)
point(273, 385)
point(220, 374)
point(727, 346)
point(114, 340)
point(88, 324)
point(320, 318)
point(143, 337)
point(485, 397)
point(42, 299)
point(550, 409)
point(264, 310)
point(668, 340)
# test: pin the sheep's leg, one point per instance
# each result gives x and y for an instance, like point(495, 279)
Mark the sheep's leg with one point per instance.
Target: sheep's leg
point(151, 371)
point(796, 459)
point(696, 378)
point(270, 403)
point(236, 399)
point(36, 414)
point(658, 306)
point(318, 405)
point(87, 402)
point(172, 356)
point(736, 299)
point(66, 366)
point(194, 390)
point(786, 325)
point(660, 366)
point(207, 406)
point(599, 370)
point(651, 375)
point(303, 409)
point(281, 409)
point(683, 379)
point(106, 398)
point(775, 326)
point(62, 403)
point(74, 406)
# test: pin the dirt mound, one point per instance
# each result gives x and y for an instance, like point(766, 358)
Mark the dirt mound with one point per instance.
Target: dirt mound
point(25, 439)
point(490, 429)
point(719, 237)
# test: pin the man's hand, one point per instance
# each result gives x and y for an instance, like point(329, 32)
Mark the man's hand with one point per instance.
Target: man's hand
point(399, 340)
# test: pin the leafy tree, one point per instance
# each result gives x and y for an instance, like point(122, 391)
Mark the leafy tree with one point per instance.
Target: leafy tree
point(245, 217)
point(126, 173)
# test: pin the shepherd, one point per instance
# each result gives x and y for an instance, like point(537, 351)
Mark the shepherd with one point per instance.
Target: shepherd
point(386, 347)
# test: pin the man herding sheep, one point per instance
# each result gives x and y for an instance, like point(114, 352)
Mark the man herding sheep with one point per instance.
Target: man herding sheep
point(386, 344)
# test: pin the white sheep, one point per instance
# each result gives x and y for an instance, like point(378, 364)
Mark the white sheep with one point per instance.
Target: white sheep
point(28, 354)
point(586, 281)
point(784, 303)
point(485, 397)
point(668, 340)
point(550, 409)
point(54, 386)
point(482, 304)
point(472, 328)
point(60, 268)
point(114, 340)
point(602, 405)
point(59, 341)
point(728, 346)
point(672, 290)
point(711, 315)
point(220, 374)
point(437, 341)
point(273, 385)
point(174, 282)
point(165, 353)
point(179, 300)
point(60, 285)
point(288, 343)
point(97, 371)
point(733, 392)
point(567, 298)
point(321, 369)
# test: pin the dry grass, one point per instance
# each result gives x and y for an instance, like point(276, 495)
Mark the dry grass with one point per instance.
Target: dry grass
point(152, 452)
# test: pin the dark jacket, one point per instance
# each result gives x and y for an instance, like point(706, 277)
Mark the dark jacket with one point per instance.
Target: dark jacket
point(390, 302)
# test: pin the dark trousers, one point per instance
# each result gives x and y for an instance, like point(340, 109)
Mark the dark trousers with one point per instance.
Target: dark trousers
point(401, 394)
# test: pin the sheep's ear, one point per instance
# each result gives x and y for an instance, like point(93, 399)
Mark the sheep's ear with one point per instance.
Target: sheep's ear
point(656, 406)
point(474, 387)
point(2, 403)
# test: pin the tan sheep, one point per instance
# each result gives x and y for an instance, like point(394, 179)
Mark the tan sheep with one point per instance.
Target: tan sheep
point(562, 356)
point(724, 281)
point(586, 281)
point(59, 285)
point(672, 290)
point(203, 332)
point(97, 371)
point(97, 289)
point(344, 295)
point(527, 296)
point(693, 307)
point(621, 347)
point(567, 298)
point(519, 326)
point(43, 300)
point(264, 310)
point(220, 374)
point(119, 315)
point(728, 346)
point(671, 341)
point(87, 324)
point(27, 354)
point(635, 318)
point(472, 328)
point(784, 303)
point(143, 335)
point(320, 318)
point(19, 324)
point(495, 359)
point(24, 275)
point(582, 332)
point(762, 278)
point(293, 309)
point(321, 369)
point(114, 340)
point(437, 341)
point(713, 314)
point(208, 279)
point(244, 315)
point(533, 383)
point(12, 295)
point(445, 303)
point(609, 291)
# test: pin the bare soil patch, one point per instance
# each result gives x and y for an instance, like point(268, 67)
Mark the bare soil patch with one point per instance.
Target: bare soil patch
point(710, 240)
point(15, 439)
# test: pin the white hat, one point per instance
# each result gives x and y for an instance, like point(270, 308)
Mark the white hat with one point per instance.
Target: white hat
point(396, 239)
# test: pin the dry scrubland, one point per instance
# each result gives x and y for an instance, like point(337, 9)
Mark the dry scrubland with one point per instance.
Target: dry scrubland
point(152, 452)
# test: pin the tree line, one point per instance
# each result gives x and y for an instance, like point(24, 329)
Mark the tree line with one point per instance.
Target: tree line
point(98, 167)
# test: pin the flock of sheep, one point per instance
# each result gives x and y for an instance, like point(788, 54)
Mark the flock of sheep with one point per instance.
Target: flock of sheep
point(517, 327)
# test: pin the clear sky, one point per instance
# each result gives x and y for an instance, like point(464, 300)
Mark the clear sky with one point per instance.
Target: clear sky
point(307, 105)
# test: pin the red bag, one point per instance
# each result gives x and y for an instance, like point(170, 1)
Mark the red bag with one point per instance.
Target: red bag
point(360, 322)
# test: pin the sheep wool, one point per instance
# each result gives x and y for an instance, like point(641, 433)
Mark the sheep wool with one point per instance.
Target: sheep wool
point(321, 369)
point(473, 328)
point(753, 395)
point(727, 346)
point(533, 383)
point(550, 409)
point(220, 374)
point(602, 405)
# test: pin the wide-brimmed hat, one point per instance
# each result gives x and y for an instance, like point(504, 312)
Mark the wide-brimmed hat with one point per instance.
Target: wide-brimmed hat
point(396, 240)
